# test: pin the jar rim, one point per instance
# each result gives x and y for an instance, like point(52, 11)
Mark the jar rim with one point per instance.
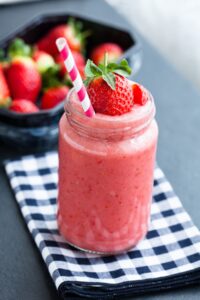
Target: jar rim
point(130, 123)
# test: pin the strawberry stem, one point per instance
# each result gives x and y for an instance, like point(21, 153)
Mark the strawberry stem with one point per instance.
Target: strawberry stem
point(105, 60)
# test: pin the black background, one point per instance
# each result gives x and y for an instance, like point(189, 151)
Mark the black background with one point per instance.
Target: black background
point(23, 274)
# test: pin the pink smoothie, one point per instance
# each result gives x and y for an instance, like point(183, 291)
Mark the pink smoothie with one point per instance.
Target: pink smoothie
point(106, 168)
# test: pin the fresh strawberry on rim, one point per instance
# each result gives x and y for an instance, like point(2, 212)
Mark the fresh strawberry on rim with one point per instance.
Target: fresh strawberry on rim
point(140, 94)
point(109, 90)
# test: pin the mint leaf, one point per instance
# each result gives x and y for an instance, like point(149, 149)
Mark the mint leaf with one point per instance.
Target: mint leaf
point(110, 79)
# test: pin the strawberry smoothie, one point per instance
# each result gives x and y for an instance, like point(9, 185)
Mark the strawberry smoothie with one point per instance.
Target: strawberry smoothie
point(106, 168)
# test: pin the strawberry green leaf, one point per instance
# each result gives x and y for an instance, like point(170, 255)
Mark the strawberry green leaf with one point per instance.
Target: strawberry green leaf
point(109, 78)
point(85, 34)
point(19, 48)
point(5, 102)
point(2, 55)
point(124, 62)
point(53, 70)
point(77, 29)
point(50, 78)
point(77, 26)
point(122, 72)
point(87, 81)
point(96, 71)
point(112, 66)
point(91, 70)
point(122, 68)
point(106, 71)
point(68, 82)
point(101, 67)
point(88, 71)
point(50, 82)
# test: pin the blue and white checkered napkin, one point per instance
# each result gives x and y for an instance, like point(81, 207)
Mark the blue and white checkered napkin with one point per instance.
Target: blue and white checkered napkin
point(168, 257)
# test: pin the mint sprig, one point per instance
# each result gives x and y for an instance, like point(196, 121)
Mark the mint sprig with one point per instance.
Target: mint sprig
point(106, 71)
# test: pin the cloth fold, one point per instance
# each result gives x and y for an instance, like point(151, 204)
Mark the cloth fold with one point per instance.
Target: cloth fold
point(169, 256)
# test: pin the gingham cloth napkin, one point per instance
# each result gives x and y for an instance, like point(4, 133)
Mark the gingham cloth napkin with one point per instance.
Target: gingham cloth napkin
point(168, 257)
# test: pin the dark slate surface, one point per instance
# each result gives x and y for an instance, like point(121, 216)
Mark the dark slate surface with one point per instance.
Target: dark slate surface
point(22, 273)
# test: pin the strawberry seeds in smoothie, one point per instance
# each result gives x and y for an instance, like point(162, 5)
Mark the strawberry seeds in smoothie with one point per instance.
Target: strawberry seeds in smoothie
point(106, 162)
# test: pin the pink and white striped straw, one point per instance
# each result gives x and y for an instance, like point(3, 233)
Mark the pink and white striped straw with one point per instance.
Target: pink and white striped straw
point(71, 67)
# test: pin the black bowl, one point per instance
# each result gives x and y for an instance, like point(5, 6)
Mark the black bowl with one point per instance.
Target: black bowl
point(39, 131)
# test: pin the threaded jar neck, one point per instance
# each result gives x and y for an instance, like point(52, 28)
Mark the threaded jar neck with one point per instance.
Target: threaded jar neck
point(104, 127)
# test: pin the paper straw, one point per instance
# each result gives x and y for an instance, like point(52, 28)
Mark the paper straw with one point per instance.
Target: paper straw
point(74, 74)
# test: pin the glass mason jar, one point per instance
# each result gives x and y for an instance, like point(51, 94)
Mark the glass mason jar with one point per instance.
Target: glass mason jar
point(106, 166)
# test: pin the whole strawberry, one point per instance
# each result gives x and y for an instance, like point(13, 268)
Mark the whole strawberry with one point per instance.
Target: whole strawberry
point(23, 106)
point(23, 78)
point(43, 60)
point(109, 90)
point(71, 31)
point(79, 61)
point(53, 96)
point(113, 50)
point(140, 94)
point(4, 91)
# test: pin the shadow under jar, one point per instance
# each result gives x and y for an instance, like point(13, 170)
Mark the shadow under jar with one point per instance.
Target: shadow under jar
point(106, 166)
